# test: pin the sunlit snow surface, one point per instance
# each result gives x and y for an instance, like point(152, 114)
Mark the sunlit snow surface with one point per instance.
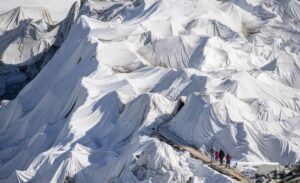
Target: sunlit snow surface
point(57, 8)
point(209, 71)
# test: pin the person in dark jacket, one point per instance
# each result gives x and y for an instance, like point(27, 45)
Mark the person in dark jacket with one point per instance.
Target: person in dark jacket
point(228, 159)
point(221, 156)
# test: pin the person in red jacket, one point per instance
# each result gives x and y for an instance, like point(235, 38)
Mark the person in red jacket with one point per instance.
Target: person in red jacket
point(228, 159)
point(216, 155)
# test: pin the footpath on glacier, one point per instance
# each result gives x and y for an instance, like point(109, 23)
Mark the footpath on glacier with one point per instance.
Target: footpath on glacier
point(177, 143)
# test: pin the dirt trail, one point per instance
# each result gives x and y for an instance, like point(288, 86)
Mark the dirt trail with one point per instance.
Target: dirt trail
point(177, 143)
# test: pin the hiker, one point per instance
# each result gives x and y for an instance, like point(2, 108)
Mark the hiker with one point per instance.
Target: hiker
point(212, 153)
point(221, 156)
point(228, 158)
point(216, 155)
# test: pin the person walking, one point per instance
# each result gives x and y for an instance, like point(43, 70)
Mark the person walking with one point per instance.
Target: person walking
point(221, 156)
point(216, 155)
point(228, 159)
point(212, 153)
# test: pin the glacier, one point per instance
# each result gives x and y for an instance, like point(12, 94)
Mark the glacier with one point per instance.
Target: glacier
point(209, 71)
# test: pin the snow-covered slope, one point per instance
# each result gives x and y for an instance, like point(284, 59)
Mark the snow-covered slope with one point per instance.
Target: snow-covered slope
point(222, 72)
point(57, 8)
point(29, 39)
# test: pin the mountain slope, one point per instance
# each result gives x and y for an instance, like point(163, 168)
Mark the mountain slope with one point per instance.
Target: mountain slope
point(28, 39)
point(127, 68)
